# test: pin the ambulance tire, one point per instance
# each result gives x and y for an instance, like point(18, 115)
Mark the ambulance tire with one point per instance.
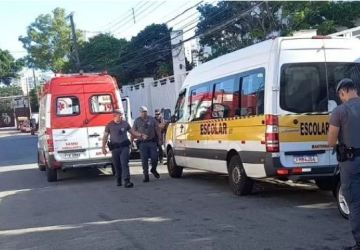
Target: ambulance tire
point(240, 184)
point(174, 170)
point(341, 202)
point(51, 174)
point(42, 167)
point(326, 183)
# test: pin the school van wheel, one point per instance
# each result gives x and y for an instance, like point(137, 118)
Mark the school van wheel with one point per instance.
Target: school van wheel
point(174, 170)
point(51, 174)
point(42, 166)
point(341, 202)
point(239, 182)
point(326, 183)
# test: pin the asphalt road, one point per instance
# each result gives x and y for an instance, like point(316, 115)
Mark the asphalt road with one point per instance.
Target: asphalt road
point(85, 210)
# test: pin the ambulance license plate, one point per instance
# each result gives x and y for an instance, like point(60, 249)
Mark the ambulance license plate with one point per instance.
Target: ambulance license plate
point(71, 155)
point(306, 159)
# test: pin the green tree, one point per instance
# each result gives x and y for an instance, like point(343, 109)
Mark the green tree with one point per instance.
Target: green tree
point(10, 90)
point(48, 42)
point(266, 19)
point(34, 100)
point(9, 67)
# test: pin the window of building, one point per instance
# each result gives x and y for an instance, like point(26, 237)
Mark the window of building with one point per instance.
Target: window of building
point(252, 94)
point(67, 106)
point(101, 104)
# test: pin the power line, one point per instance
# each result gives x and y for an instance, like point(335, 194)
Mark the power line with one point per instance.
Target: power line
point(182, 13)
point(144, 15)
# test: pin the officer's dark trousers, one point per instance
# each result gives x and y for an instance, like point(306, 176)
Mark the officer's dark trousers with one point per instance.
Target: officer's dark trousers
point(148, 150)
point(350, 184)
point(161, 152)
point(120, 159)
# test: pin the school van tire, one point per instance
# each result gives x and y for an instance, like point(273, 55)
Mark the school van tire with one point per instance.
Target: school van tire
point(326, 183)
point(174, 170)
point(51, 174)
point(42, 167)
point(240, 184)
point(341, 202)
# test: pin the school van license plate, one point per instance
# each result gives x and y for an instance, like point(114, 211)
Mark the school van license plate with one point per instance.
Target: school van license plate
point(71, 155)
point(306, 159)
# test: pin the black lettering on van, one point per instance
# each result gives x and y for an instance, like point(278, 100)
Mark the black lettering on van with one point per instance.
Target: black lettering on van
point(314, 128)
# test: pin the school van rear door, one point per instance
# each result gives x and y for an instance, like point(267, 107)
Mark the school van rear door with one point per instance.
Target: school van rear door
point(303, 101)
point(68, 120)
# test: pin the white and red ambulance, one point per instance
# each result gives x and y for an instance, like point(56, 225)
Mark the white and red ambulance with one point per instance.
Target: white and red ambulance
point(74, 110)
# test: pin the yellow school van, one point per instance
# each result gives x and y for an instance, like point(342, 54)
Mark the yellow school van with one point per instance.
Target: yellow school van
point(262, 111)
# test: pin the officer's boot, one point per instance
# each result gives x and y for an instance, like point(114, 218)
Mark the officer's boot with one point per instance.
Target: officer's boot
point(146, 178)
point(118, 182)
point(128, 184)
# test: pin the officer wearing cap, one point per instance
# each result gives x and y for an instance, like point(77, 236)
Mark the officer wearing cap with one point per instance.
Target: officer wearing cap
point(161, 124)
point(149, 127)
point(344, 128)
point(119, 144)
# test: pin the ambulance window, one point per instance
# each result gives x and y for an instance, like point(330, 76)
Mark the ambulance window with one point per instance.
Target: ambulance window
point(67, 106)
point(303, 88)
point(225, 99)
point(101, 104)
point(252, 94)
point(200, 103)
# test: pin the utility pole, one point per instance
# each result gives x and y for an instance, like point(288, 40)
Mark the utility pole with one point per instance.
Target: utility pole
point(74, 40)
point(133, 12)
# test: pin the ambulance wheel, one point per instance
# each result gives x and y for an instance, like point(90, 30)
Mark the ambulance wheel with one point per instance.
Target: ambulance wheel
point(42, 167)
point(326, 183)
point(341, 202)
point(239, 182)
point(51, 174)
point(174, 170)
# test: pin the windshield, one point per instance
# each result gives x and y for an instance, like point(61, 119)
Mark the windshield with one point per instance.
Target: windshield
point(305, 87)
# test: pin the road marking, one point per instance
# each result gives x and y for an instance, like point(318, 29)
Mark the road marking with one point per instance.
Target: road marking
point(21, 231)
point(17, 167)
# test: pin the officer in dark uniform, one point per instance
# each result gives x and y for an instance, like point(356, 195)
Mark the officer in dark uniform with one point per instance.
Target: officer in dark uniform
point(344, 128)
point(161, 125)
point(148, 126)
point(119, 146)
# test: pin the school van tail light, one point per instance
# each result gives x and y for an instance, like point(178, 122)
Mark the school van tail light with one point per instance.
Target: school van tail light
point(49, 140)
point(272, 134)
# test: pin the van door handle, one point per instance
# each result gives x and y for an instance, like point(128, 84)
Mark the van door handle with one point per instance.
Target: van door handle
point(94, 135)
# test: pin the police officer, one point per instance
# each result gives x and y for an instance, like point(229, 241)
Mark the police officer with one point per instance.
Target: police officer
point(147, 125)
point(161, 125)
point(344, 128)
point(119, 146)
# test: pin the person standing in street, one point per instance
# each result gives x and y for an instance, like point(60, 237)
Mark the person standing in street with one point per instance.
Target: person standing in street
point(119, 146)
point(148, 126)
point(344, 128)
point(161, 125)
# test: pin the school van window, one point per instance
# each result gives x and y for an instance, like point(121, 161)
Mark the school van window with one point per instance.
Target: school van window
point(252, 94)
point(101, 104)
point(200, 103)
point(68, 105)
point(226, 98)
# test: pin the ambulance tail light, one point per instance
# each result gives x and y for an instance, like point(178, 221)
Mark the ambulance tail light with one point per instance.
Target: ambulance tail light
point(49, 140)
point(272, 134)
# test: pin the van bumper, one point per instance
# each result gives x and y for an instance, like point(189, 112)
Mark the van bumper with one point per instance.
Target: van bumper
point(274, 168)
point(78, 164)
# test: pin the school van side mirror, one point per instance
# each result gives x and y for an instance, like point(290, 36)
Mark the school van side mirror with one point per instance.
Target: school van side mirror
point(173, 119)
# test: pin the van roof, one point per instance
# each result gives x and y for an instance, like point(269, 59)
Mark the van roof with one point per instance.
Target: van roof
point(245, 58)
point(57, 83)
